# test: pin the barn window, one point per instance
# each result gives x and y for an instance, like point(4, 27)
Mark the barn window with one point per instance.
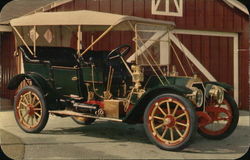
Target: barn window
point(167, 7)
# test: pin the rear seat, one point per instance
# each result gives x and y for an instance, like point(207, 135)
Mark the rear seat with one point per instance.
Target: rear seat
point(58, 56)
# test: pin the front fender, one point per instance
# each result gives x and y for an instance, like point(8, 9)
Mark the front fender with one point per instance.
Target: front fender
point(136, 113)
point(221, 84)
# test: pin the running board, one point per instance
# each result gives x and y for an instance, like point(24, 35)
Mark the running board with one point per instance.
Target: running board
point(72, 113)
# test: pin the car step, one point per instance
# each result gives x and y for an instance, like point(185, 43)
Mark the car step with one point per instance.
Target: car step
point(82, 105)
point(72, 113)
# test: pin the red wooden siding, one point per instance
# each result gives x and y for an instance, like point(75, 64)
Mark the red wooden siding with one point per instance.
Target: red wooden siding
point(244, 62)
point(212, 15)
point(215, 53)
point(8, 64)
point(204, 49)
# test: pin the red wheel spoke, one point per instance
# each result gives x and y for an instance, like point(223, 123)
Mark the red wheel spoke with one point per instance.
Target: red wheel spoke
point(30, 98)
point(168, 107)
point(38, 115)
point(169, 121)
point(25, 115)
point(32, 120)
point(182, 124)
point(33, 100)
point(24, 104)
point(160, 118)
point(175, 109)
point(25, 99)
point(159, 126)
point(171, 134)
point(30, 112)
point(178, 131)
point(164, 132)
point(161, 110)
point(222, 117)
point(183, 114)
point(37, 109)
point(36, 104)
point(28, 119)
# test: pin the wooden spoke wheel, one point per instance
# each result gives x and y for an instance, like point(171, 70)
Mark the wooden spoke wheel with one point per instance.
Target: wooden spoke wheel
point(83, 120)
point(29, 109)
point(170, 121)
point(224, 116)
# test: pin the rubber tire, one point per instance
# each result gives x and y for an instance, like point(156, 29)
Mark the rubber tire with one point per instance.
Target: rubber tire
point(233, 125)
point(45, 114)
point(88, 121)
point(193, 119)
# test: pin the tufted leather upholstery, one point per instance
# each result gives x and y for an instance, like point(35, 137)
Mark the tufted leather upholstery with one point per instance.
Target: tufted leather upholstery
point(58, 56)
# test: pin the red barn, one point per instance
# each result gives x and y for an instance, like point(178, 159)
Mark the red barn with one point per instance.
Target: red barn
point(213, 34)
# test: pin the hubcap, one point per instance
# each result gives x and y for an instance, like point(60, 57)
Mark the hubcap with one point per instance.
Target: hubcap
point(169, 121)
point(30, 109)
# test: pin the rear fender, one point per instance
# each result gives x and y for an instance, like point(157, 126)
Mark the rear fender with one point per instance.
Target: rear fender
point(37, 80)
point(16, 81)
point(136, 113)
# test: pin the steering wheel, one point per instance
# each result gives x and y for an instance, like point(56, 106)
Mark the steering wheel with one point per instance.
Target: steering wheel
point(120, 51)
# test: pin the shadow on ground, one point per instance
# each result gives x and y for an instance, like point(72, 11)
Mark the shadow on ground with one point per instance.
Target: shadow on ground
point(109, 130)
point(120, 132)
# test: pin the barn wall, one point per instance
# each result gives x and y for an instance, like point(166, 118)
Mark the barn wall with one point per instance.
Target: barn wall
point(8, 64)
point(214, 15)
point(243, 65)
point(215, 53)
point(205, 48)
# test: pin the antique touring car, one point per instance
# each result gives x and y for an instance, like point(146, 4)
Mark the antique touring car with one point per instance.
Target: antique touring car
point(130, 84)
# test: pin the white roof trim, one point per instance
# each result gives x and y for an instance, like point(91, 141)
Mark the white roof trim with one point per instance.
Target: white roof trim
point(5, 28)
point(237, 4)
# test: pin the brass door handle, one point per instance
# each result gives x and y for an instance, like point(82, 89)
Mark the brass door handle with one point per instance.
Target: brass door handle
point(74, 78)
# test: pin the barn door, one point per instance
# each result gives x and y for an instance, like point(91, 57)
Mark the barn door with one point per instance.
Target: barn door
point(213, 55)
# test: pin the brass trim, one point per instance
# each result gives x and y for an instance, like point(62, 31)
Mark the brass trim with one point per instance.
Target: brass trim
point(93, 81)
point(72, 113)
point(62, 67)
point(74, 78)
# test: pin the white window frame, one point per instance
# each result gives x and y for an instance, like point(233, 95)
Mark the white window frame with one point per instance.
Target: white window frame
point(178, 4)
point(235, 37)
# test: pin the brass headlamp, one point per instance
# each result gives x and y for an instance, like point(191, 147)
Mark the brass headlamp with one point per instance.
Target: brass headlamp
point(217, 93)
point(197, 96)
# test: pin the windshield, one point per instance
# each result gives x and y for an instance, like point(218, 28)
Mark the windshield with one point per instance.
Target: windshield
point(150, 41)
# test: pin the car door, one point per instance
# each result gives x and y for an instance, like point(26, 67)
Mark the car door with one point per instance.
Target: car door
point(66, 80)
